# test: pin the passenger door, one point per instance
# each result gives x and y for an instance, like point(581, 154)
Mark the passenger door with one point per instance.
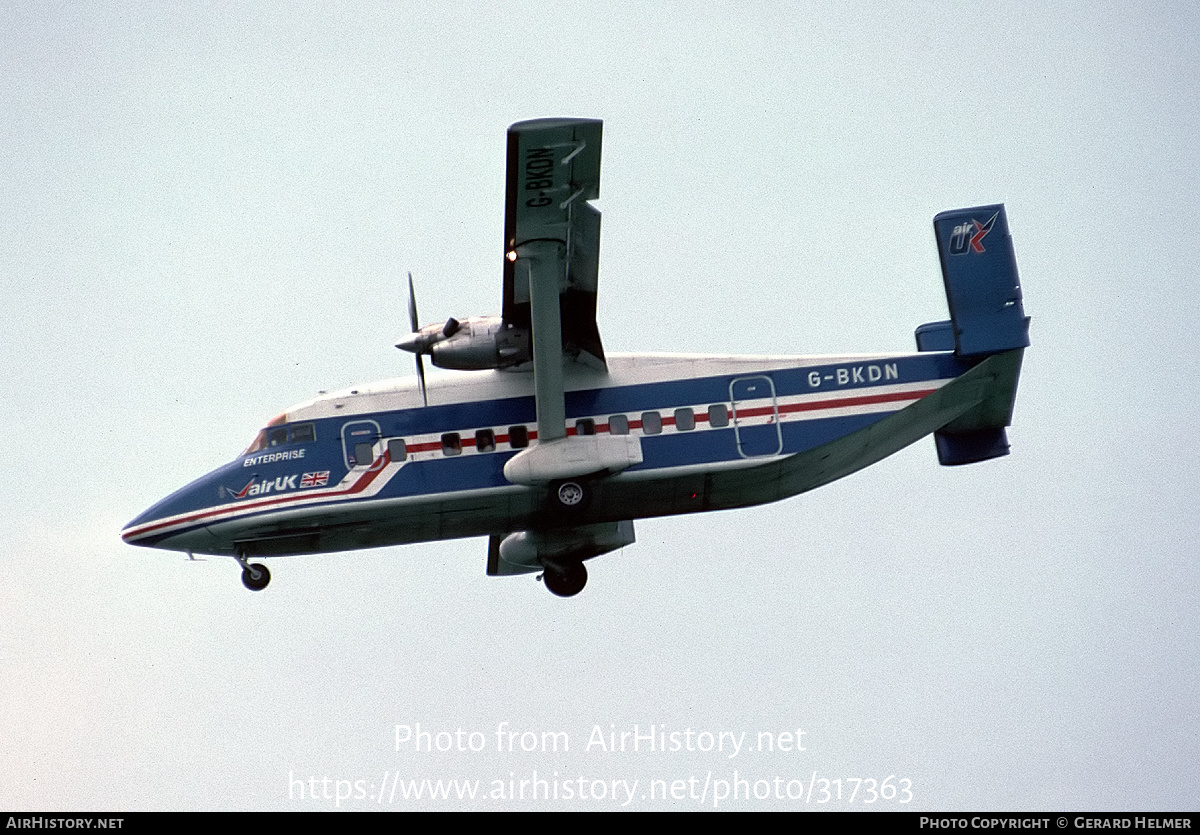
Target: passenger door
point(755, 417)
point(358, 442)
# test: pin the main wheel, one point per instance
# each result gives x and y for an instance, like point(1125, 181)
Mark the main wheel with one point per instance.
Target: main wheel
point(565, 580)
point(570, 495)
point(248, 579)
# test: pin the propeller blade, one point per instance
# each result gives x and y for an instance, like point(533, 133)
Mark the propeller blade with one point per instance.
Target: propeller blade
point(412, 305)
point(411, 343)
point(421, 379)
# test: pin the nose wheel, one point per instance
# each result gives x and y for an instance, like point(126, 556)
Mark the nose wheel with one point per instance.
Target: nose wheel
point(256, 577)
point(254, 574)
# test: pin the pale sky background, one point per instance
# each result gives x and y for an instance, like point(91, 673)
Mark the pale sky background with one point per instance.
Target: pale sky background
point(207, 215)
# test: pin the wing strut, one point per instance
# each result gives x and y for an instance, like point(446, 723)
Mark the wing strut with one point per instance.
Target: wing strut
point(543, 260)
point(551, 252)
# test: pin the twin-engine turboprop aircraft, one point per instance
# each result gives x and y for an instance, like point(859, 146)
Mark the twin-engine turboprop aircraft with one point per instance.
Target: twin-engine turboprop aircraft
point(552, 448)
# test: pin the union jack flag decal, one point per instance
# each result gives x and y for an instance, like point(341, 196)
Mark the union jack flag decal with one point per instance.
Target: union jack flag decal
point(315, 479)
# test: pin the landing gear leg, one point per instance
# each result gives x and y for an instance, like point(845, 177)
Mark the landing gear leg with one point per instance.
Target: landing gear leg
point(254, 574)
point(565, 579)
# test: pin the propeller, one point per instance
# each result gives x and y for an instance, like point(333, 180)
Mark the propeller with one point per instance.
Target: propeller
point(422, 340)
point(412, 342)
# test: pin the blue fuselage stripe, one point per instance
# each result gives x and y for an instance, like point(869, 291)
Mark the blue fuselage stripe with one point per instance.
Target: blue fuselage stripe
point(472, 470)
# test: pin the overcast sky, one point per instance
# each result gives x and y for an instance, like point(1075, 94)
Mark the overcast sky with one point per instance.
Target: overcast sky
point(208, 213)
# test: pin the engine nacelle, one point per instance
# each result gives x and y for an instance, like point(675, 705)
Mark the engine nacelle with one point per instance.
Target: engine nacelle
point(479, 343)
point(524, 552)
point(574, 457)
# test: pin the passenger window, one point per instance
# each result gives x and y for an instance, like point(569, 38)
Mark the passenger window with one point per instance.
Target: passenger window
point(585, 426)
point(397, 450)
point(618, 425)
point(685, 420)
point(303, 433)
point(518, 437)
point(364, 453)
point(651, 423)
point(485, 440)
point(451, 444)
point(277, 437)
point(718, 416)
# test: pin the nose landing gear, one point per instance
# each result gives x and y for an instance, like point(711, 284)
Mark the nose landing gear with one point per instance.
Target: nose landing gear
point(254, 574)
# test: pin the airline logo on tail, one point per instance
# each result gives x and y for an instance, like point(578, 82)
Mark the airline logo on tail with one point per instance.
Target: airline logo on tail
point(968, 237)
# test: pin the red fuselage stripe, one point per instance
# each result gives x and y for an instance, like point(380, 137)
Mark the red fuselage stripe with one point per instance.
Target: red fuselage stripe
point(381, 463)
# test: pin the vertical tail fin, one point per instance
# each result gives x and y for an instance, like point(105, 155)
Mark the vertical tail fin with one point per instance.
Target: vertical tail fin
point(987, 317)
point(979, 270)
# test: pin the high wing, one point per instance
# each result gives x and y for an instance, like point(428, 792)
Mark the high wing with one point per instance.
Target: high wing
point(551, 258)
point(551, 263)
point(552, 233)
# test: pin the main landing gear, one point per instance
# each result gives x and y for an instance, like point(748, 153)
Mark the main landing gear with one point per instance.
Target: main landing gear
point(254, 574)
point(565, 579)
point(570, 496)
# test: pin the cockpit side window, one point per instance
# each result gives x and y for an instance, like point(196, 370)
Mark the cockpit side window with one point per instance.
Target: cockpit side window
point(302, 433)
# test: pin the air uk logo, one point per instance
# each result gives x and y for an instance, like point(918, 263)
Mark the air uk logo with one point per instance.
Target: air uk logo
point(968, 237)
point(259, 488)
point(255, 487)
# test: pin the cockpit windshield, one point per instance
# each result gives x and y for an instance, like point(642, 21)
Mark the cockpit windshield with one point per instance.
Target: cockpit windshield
point(274, 435)
point(260, 442)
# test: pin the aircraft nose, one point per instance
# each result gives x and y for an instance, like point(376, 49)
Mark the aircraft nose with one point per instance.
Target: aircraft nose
point(138, 530)
point(162, 524)
point(145, 528)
